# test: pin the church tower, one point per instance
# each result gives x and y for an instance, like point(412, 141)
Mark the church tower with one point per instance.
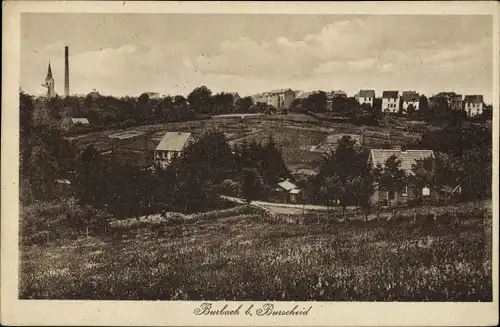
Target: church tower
point(49, 83)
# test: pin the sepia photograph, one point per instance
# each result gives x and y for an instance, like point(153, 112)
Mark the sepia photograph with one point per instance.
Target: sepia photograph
point(223, 157)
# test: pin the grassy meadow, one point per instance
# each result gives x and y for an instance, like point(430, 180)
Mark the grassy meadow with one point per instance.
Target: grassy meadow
point(244, 256)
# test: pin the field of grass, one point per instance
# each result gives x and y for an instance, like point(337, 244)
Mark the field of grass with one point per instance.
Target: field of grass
point(245, 257)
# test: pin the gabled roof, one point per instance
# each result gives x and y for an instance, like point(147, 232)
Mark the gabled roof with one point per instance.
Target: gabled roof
point(83, 121)
point(473, 98)
point(366, 93)
point(410, 96)
point(408, 158)
point(390, 94)
point(447, 95)
point(173, 141)
point(287, 186)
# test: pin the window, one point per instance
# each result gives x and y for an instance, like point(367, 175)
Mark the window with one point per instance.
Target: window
point(392, 195)
point(404, 192)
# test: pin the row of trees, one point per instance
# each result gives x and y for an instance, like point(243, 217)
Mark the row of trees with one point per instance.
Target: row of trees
point(126, 111)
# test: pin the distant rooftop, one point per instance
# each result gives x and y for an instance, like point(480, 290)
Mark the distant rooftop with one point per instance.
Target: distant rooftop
point(408, 158)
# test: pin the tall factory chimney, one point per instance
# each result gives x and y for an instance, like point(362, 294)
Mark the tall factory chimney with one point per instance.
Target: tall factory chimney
point(66, 71)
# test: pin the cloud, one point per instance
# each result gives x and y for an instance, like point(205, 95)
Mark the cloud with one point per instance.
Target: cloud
point(348, 54)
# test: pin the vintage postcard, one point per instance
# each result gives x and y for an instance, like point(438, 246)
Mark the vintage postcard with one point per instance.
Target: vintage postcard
point(250, 164)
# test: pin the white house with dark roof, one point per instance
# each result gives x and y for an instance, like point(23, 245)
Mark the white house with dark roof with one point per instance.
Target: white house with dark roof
point(473, 105)
point(410, 98)
point(365, 96)
point(68, 123)
point(171, 144)
point(390, 101)
point(408, 159)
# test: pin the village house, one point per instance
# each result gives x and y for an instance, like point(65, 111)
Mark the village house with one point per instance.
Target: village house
point(453, 100)
point(172, 143)
point(280, 99)
point(408, 159)
point(365, 96)
point(473, 105)
point(410, 98)
point(69, 123)
point(286, 191)
point(336, 94)
point(390, 101)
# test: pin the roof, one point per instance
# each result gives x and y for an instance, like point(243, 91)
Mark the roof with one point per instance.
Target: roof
point(49, 72)
point(473, 98)
point(63, 181)
point(287, 186)
point(304, 95)
point(409, 96)
point(408, 158)
point(447, 94)
point(338, 93)
point(366, 93)
point(390, 94)
point(173, 141)
point(294, 191)
point(83, 121)
point(278, 91)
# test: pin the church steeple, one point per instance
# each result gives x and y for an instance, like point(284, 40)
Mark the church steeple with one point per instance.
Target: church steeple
point(49, 72)
point(49, 83)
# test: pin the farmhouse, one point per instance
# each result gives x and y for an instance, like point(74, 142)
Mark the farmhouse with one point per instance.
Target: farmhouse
point(68, 123)
point(390, 101)
point(408, 159)
point(287, 192)
point(473, 105)
point(410, 99)
point(365, 96)
point(171, 144)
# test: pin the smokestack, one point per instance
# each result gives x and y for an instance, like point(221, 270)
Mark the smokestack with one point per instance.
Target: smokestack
point(66, 71)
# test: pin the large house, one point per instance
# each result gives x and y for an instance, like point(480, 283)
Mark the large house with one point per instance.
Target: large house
point(453, 100)
point(280, 99)
point(390, 101)
point(408, 159)
point(473, 105)
point(365, 96)
point(410, 98)
point(171, 144)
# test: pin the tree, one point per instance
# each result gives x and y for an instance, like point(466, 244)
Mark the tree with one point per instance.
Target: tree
point(423, 106)
point(272, 165)
point(315, 102)
point(200, 100)
point(252, 184)
point(222, 103)
point(410, 110)
point(342, 174)
point(390, 177)
point(244, 105)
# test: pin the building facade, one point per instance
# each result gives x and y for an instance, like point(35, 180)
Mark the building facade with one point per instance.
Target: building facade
point(408, 159)
point(280, 99)
point(473, 105)
point(452, 99)
point(410, 98)
point(365, 96)
point(390, 101)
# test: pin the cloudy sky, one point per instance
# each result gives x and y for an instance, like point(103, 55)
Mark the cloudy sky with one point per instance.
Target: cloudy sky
point(122, 54)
